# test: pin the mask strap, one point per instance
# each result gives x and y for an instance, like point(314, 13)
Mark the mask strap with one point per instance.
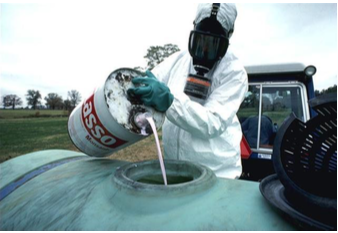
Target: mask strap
point(214, 11)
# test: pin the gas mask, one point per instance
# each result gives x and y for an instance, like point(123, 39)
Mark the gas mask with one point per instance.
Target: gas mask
point(206, 48)
point(208, 43)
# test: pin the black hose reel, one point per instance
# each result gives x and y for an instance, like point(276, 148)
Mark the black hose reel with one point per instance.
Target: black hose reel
point(305, 160)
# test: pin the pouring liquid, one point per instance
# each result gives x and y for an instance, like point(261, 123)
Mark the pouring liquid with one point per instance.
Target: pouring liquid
point(159, 153)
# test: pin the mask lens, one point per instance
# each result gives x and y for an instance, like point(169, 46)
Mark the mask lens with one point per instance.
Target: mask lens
point(206, 46)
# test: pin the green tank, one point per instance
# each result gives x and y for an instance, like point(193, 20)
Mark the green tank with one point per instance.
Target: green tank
point(65, 190)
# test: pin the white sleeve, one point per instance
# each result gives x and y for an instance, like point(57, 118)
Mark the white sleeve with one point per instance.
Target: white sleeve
point(162, 70)
point(211, 120)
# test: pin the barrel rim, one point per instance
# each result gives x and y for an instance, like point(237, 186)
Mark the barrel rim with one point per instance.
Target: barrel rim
point(205, 180)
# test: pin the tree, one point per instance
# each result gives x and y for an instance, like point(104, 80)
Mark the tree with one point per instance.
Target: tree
point(332, 89)
point(33, 98)
point(74, 98)
point(139, 68)
point(53, 101)
point(11, 101)
point(250, 101)
point(67, 105)
point(157, 54)
point(317, 93)
point(5, 101)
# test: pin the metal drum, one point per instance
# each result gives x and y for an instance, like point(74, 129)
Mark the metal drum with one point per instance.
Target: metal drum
point(104, 122)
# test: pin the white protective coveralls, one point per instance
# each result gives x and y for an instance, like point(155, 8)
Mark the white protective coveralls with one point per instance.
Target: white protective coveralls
point(209, 134)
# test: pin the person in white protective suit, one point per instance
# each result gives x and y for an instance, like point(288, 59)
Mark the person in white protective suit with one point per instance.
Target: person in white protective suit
point(200, 92)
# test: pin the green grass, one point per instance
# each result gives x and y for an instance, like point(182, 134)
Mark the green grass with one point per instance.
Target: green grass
point(26, 131)
point(276, 116)
point(21, 136)
point(21, 132)
point(23, 113)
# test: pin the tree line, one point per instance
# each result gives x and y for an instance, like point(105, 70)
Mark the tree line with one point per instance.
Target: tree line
point(53, 100)
point(332, 89)
point(154, 56)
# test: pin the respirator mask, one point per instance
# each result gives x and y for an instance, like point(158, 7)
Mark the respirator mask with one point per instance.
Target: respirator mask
point(208, 43)
point(206, 49)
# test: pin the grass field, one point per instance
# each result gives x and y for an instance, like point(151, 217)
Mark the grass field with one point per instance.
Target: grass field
point(277, 117)
point(23, 113)
point(25, 131)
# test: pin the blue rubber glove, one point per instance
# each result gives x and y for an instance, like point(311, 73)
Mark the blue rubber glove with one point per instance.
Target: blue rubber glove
point(152, 92)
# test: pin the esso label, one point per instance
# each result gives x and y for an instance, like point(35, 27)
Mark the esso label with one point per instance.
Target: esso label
point(95, 128)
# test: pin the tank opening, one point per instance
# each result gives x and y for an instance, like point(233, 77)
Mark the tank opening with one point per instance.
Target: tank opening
point(171, 179)
point(149, 172)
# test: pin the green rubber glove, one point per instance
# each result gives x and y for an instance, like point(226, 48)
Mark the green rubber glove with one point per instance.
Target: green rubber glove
point(152, 92)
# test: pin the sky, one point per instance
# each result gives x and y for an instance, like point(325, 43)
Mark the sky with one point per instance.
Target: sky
point(61, 47)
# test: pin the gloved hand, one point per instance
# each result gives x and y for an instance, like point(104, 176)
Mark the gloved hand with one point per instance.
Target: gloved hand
point(152, 93)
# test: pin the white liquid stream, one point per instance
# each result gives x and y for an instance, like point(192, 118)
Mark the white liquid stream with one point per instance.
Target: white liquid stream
point(159, 153)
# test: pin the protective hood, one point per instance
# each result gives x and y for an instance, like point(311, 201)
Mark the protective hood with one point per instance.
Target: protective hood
point(226, 15)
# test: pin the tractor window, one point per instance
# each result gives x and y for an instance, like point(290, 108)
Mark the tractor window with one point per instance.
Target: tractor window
point(277, 104)
point(248, 115)
point(265, 108)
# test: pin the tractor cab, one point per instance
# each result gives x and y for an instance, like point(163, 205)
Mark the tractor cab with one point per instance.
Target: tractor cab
point(275, 91)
